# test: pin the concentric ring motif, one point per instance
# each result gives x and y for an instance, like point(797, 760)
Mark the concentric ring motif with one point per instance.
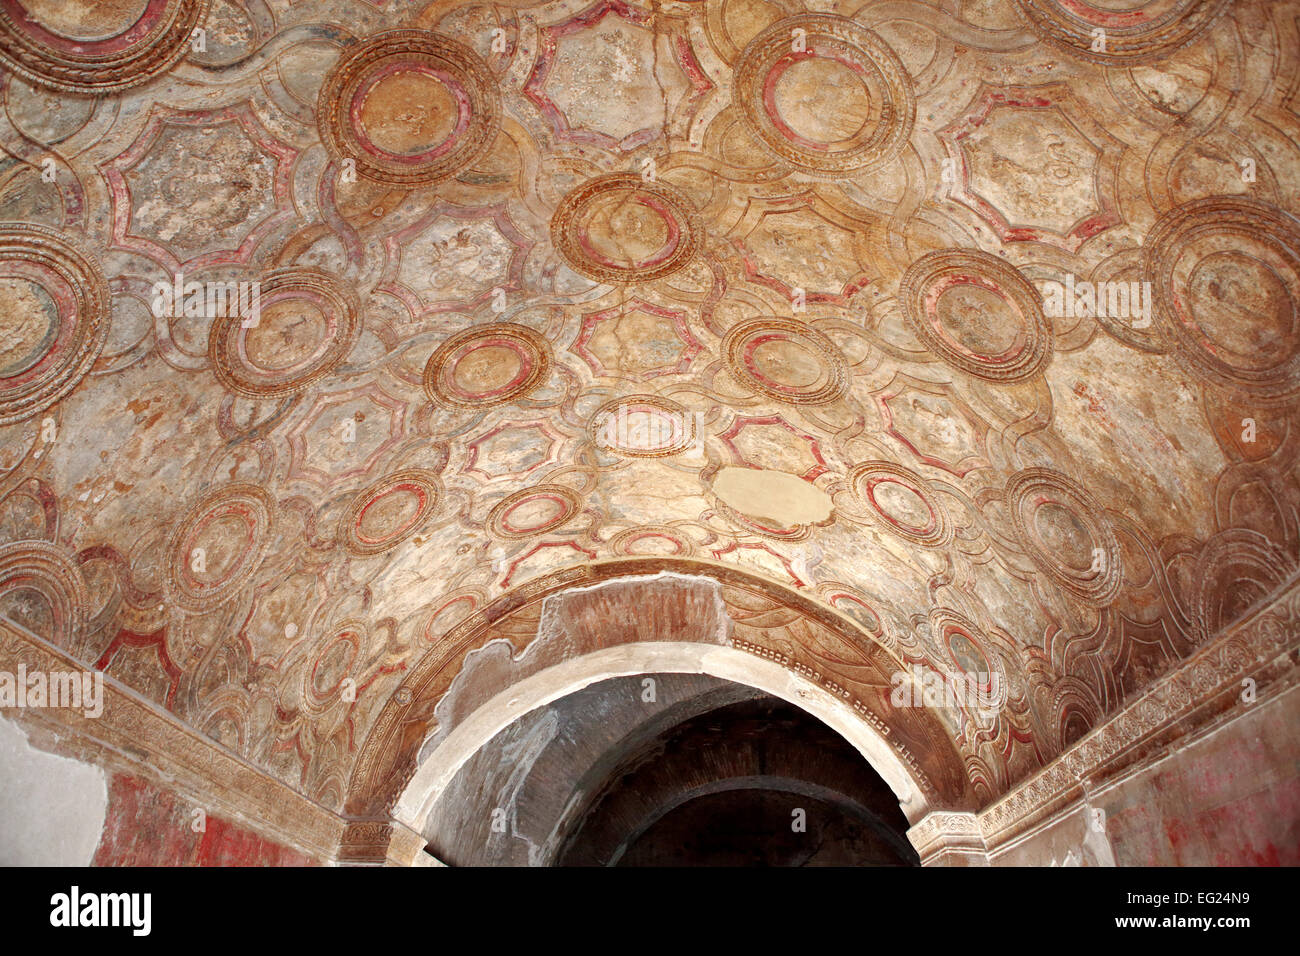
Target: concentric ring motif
point(533, 511)
point(977, 313)
point(903, 502)
point(1236, 570)
point(219, 544)
point(653, 539)
point(487, 365)
point(621, 228)
point(1132, 32)
point(80, 46)
point(409, 107)
point(390, 511)
point(54, 317)
point(853, 604)
point(961, 643)
point(831, 101)
point(786, 360)
point(966, 653)
point(306, 325)
point(44, 569)
point(1063, 530)
point(1225, 273)
point(644, 426)
point(333, 665)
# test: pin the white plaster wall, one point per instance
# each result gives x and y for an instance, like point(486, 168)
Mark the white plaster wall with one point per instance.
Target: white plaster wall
point(52, 808)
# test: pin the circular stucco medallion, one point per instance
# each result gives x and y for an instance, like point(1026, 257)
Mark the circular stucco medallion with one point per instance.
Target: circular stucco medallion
point(978, 313)
point(304, 325)
point(1225, 274)
point(94, 47)
point(409, 107)
point(1121, 31)
point(621, 228)
point(54, 318)
point(825, 95)
point(487, 365)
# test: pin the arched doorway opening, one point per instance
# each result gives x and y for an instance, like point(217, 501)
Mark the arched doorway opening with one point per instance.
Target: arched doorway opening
point(667, 769)
point(557, 635)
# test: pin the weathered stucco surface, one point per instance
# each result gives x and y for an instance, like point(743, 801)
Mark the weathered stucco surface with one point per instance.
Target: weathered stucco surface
point(770, 289)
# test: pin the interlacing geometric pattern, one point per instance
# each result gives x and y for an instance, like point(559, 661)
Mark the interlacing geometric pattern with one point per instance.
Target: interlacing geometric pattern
point(972, 323)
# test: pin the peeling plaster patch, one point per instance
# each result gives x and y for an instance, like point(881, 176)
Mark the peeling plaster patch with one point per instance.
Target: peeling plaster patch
point(772, 496)
point(1096, 845)
point(53, 807)
point(520, 755)
point(568, 816)
point(554, 605)
point(1094, 849)
point(561, 636)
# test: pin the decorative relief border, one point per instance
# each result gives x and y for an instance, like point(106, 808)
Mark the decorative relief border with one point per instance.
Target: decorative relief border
point(382, 770)
point(188, 759)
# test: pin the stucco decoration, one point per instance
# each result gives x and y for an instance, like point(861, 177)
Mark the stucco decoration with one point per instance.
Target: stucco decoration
point(548, 288)
point(86, 47)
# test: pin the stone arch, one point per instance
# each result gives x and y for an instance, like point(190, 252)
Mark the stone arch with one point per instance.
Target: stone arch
point(561, 632)
point(678, 657)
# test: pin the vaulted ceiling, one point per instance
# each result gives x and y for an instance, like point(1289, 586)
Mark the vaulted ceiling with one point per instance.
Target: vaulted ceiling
point(763, 287)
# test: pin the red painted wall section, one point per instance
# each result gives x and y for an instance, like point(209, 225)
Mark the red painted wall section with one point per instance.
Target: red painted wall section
point(150, 826)
point(1230, 799)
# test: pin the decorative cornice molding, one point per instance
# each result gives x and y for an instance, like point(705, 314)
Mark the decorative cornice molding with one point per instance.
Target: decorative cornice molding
point(365, 842)
point(380, 842)
point(944, 837)
point(939, 824)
